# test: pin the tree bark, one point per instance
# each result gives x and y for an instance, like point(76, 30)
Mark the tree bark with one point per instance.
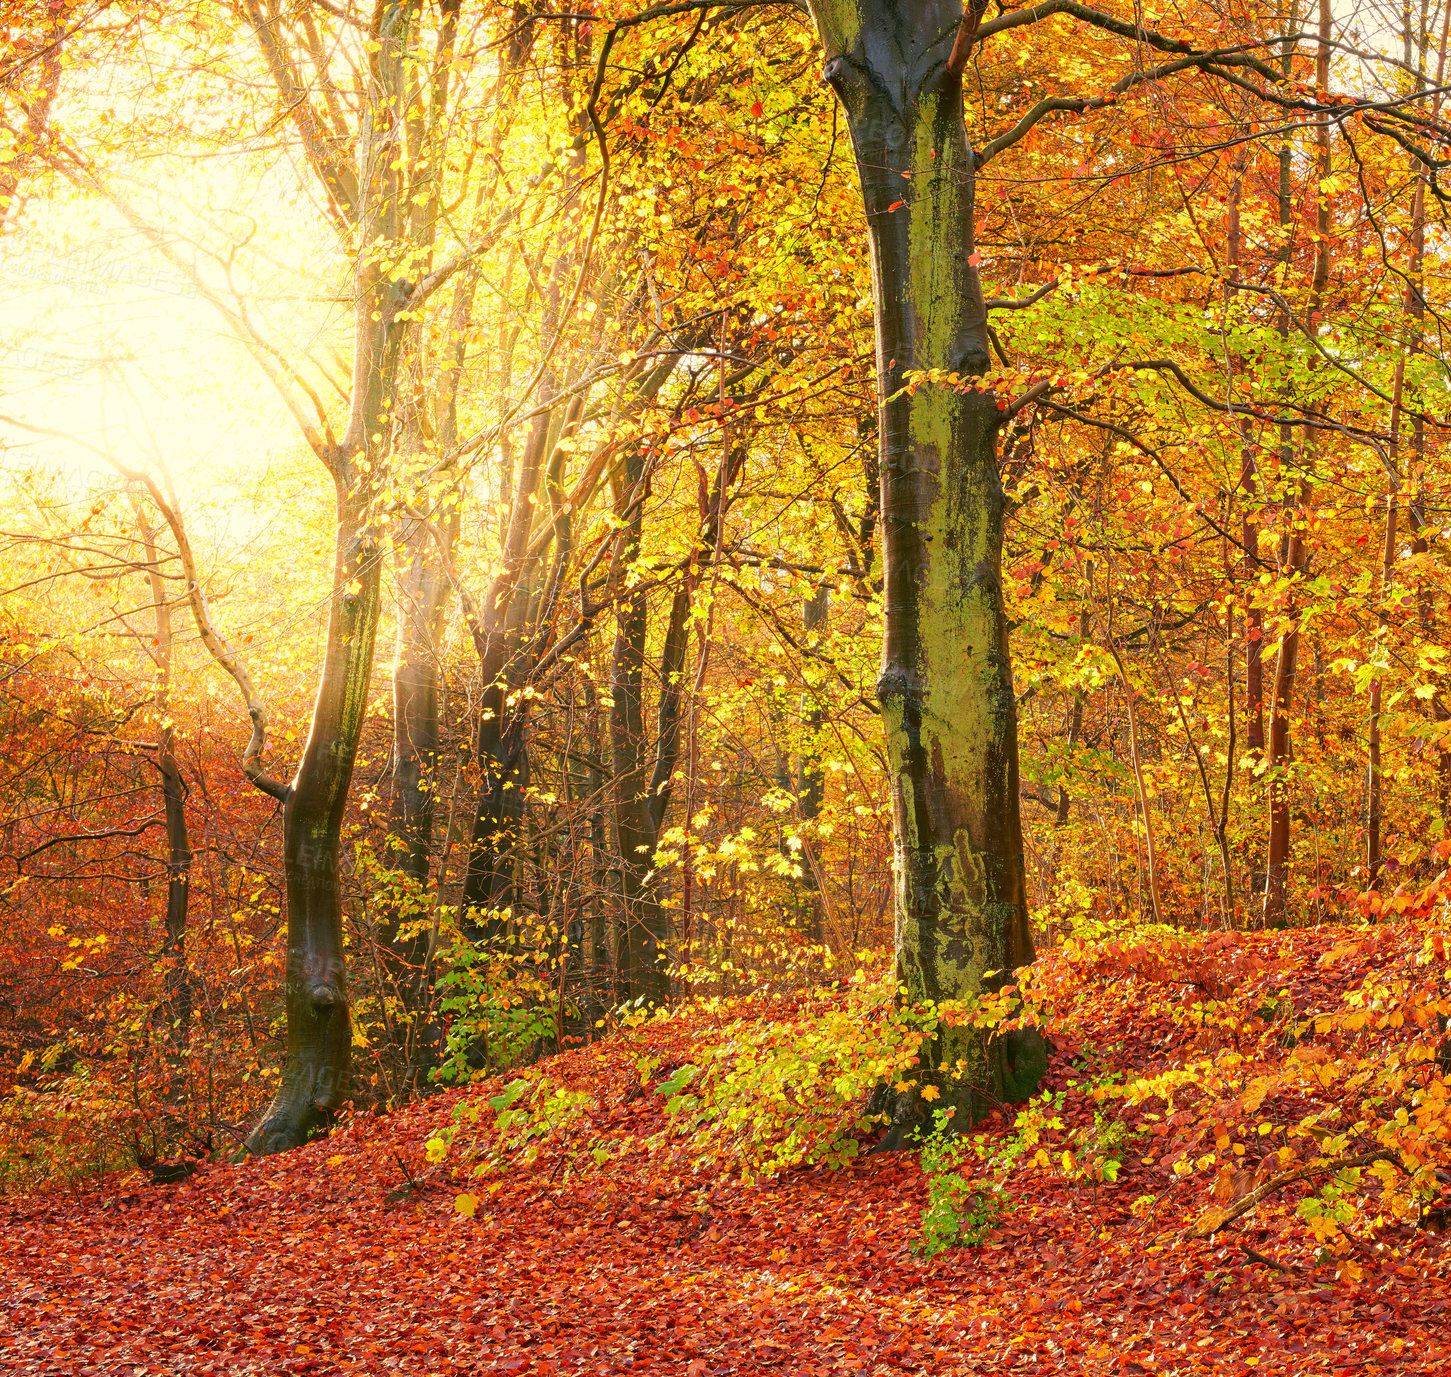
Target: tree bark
point(639, 949)
point(500, 746)
point(1296, 550)
point(316, 1080)
point(1254, 688)
point(1277, 855)
point(811, 781)
point(641, 800)
point(178, 1006)
point(946, 686)
point(1151, 847)
point(422, 591)
point(427, 432)
point(1375, 786)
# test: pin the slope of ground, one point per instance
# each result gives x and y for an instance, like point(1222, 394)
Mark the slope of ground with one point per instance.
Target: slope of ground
point(301, 1265)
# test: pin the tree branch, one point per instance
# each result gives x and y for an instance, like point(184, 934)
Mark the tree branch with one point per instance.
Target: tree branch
point(211, 637)
point(1220, 57)
point(1215, 1218)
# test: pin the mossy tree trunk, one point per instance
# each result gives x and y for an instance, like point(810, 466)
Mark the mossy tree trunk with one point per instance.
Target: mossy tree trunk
point(946, 686)
point(316, 1080)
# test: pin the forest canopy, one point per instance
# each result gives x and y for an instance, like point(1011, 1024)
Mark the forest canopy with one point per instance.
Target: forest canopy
point(846, 570)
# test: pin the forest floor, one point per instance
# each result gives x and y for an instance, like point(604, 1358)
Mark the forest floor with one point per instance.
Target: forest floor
point(298, 1264)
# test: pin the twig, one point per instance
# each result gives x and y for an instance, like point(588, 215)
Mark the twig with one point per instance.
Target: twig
point(403, 1167)
point(1214, 1219)
point(1267, 1261)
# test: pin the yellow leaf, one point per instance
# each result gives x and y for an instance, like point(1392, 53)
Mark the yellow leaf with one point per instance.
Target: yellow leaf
point(929, 1092)
point(466, 1205)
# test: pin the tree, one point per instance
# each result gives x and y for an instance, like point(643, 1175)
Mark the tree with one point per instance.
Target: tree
point(946, 685)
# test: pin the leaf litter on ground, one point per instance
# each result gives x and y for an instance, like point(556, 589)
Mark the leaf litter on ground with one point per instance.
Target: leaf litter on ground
point(359, 1254)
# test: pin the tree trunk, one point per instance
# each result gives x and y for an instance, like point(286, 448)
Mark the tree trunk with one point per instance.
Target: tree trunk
point(638, 804)
point(1297, 551)
point(811, 785)
point(1375, 788)
point(946, 687)
point(1141, 792)
point(422, 590)
point(315, 1080)
point(177, 1009)
point(641, 803)
point(427, 426)
point(600, 979)
point(1254, 688)
point(501, 751)
point(1277, 856)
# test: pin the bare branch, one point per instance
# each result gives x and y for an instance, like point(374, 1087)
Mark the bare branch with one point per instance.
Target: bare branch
point(1215, 1218)
point(211, 637)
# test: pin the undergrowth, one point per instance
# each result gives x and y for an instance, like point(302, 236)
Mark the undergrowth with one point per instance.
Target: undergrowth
point(1226, 1069)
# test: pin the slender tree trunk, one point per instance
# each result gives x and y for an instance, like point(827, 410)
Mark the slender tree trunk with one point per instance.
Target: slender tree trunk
point(178, 1006)
point(1375, 787)
point(316, 1080)
point(501, 750)
point(946, 688)
point(1415, 307)
point(1416, 299)
point(1254, 618)
point(1249, 528)
point(423, 543)
point(641, 800)
point(1151, 848)
point(1075, 719)
point(811, 786)
point(1297, 550)
point(178, 891)
point(640, 970)
point(641, 792)
point(508, 630)
point(501, 753)
point(422, 591)
point(601, 970)
point(1426, 616)
point(1277, 857)
point(1415, 312)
